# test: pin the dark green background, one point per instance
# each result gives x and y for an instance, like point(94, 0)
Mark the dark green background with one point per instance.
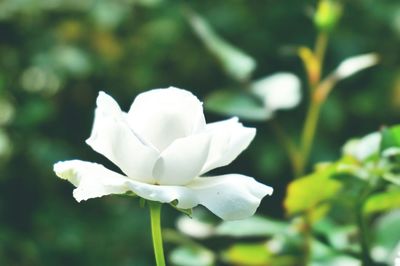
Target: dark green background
point(56, 55)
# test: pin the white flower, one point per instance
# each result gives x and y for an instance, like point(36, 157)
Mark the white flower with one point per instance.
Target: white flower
point(163, 145)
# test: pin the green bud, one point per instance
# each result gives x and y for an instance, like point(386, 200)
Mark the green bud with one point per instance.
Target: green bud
point(327, 15)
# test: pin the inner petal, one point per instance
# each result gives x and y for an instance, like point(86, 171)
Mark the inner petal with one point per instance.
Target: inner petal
point(161, 116)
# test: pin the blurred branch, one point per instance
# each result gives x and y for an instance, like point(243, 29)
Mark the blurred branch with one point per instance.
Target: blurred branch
point(290, 147)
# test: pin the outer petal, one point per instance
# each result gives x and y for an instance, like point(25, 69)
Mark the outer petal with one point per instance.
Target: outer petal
point(231, 196)
point(182, 160)
point(112, 137)
point(163, 115)
point(229, 139)
point(94, 180)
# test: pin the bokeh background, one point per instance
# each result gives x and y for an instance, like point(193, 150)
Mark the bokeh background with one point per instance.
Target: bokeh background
point(56, 55)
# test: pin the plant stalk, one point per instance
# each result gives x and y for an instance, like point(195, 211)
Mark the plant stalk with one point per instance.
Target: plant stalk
point(363, 230)
point(155, 216)
point(308, 135)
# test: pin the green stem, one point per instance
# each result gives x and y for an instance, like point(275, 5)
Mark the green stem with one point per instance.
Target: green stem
point(307, 234)
point(155, 216)
point(363, 230)
point(308, 134)
point(320, 48)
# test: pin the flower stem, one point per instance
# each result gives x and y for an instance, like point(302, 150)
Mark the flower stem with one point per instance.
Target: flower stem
point(320, 47)
point(311, 122)
point(308, 134)
point(155, 216)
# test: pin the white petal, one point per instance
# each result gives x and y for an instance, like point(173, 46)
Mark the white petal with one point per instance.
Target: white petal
point(163, 115)
point(278, 91)
point(182, 160)
point(112, 137)
point(94, 180)
point(355, 64)
point(229, 139)
point(231, 196)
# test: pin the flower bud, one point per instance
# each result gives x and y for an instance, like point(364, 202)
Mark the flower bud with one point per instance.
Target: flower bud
point(327, 15)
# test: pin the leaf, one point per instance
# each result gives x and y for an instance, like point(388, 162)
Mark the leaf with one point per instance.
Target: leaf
point(336, 260)
point(257, 254)
point(195, 227)
point(386, 237)
point(382, 202)
point(311, 63)
point(232, 103)
point(192, 256)
point(390, 137)
point(251, 227)
point(278, 91)
point(306, 193)
point(338, 236)
point(235, 62)
point(363, 148)
point(247, 254)
point(355, 64)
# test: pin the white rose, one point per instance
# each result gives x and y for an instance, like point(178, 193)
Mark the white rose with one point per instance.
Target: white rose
point(163, 145)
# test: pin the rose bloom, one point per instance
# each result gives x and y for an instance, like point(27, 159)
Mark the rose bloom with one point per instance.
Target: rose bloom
point(164, 147)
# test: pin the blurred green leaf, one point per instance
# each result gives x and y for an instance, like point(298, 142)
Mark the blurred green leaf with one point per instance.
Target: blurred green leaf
point(251, 227)
point(256, 254)
point(235, 62)
point(247, 254)
point(232, 103)
point(339, 236)
point(108, 14)
point(192, 256)
point(390, 137)
point(383, 202)
point(386, 237)
point(308, 192)
point(336, 260)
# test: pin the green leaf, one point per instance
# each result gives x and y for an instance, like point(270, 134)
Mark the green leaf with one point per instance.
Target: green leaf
point(382, 202)
point(251, 227)
point(192, 256)
point(338, 236)
point(248, 254)
point(235, 62)
point(306, 193)
point(390, 137)
point(386, 235)
point(232, 103)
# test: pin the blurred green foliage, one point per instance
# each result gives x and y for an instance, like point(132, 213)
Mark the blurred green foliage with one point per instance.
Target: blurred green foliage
point(56, 55)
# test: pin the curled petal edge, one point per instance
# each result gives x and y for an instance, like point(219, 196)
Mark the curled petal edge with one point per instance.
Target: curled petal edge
point(230, 196)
